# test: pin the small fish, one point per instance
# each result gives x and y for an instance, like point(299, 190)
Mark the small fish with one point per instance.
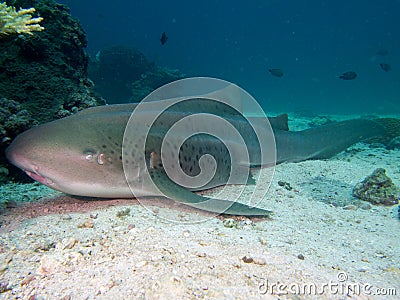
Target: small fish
point(276, 72)
point(385, 67)
point(163, 38)
point(382, 52)
point(350, 75)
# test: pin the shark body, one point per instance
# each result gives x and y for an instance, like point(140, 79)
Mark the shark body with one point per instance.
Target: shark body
point(83, 154)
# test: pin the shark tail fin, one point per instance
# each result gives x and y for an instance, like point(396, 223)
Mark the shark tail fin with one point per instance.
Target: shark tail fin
point(391, 127)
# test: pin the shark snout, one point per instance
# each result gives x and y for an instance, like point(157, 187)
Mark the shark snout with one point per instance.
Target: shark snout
point(30, 168)
point(19, 154)
point(15, 156)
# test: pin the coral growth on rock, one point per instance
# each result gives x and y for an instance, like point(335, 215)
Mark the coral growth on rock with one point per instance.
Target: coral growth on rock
point(124, 74)
point(152, 80)
point(115, 68)
point(319, 121)
point(18, 21)
point(43, 76)
point(13, 119)
point(377, 188)
point(44, 72)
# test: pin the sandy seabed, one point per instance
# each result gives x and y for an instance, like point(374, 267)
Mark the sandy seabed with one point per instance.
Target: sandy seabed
point(320, 242)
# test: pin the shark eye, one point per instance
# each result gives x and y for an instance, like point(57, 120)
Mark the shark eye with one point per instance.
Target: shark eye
point(89, 155)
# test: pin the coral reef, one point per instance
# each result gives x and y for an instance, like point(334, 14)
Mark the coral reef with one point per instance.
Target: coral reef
point(21, 21)
point(43, 76)
point(43, 72)
point(115, 68)
point(377, 188)
point(152, 80)
point(13, 119)
point(319, 121)
point(123, 74)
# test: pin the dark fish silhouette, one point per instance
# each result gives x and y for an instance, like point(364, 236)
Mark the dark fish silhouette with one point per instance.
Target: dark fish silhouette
point(348, 75)
point(382, 52)
point(276, 72)
point(163, 38)
point(385, 67)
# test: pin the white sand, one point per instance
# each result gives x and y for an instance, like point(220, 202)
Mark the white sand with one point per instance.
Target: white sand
point(46, 254)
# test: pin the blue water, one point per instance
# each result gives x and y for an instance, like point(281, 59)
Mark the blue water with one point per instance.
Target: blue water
point(312, 41)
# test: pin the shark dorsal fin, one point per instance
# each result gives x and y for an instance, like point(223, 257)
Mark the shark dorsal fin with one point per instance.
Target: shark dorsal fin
point(231, 95)
point(279, 122)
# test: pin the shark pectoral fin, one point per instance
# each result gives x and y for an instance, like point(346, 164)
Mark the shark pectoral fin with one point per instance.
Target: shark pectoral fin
point(250, 179)
point(173, 191)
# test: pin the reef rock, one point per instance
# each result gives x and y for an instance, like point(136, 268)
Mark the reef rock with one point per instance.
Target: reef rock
point(152, 80)
point(123, 74)
point(114, 69)
point(43, 75)
point(13, 119)
point(319, 121)
point(377, 188)
point(46, 72)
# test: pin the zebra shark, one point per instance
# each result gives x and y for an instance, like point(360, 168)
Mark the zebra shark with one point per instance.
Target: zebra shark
point(83, 154)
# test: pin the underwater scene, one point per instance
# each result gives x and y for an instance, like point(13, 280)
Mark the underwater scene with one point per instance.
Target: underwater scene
point(199, 150)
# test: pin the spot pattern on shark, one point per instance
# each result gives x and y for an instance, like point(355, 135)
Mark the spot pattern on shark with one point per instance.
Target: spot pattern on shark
point(84, 155)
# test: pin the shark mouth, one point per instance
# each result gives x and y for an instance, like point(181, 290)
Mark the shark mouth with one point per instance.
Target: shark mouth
point(39, 178)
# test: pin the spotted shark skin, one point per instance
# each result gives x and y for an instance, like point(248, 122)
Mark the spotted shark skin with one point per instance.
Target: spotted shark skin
point(82, 154)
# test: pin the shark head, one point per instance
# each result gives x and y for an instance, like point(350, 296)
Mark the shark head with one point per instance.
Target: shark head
point(73, 155)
